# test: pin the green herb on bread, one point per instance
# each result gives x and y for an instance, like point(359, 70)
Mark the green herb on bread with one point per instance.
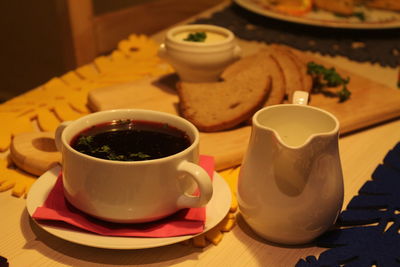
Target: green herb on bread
point(324, 79)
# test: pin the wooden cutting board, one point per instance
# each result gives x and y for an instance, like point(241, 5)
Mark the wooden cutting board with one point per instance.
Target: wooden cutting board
point(370, 103)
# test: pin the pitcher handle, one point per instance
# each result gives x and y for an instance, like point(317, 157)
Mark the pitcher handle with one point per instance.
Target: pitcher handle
point(300, 98)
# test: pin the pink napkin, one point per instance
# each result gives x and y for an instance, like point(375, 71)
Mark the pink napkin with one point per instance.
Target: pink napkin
point(185, 222)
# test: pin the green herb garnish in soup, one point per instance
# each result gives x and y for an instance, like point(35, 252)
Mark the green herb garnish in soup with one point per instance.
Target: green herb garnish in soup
point(196, 37)
point(131, 140)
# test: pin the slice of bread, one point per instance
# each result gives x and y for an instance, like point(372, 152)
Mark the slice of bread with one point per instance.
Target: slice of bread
point(268, 63)
point(278, 87)
point(302, 66)
point(291, 72)
point(223, 105)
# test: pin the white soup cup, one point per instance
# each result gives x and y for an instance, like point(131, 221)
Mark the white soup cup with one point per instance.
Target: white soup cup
point(132, 191)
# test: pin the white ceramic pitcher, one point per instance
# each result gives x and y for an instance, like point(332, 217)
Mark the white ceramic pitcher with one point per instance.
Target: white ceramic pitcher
point(290, 187)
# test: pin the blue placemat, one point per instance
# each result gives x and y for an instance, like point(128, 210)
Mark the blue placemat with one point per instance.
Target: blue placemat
point(3, 262)
point(378, 46)
point(368, 230)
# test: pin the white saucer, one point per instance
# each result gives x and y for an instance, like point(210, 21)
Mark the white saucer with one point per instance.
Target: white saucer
point(217, 209)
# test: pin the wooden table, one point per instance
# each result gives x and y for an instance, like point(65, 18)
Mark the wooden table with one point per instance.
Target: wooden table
point(23, 243)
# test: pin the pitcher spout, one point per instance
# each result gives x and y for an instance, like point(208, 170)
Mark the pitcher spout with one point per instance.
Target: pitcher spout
point(293, 166)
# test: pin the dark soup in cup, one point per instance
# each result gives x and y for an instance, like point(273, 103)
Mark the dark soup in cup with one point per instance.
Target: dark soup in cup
point(131, 140)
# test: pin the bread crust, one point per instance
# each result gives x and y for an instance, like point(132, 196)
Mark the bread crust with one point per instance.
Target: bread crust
point(291, 72)
point(271, 67)
point(302, 66)
point(278, 84)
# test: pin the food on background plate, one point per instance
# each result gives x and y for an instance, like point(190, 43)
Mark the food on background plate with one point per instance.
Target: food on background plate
point(344, 7)
point(291, 7)
point(347, 8)
point(384, 4)
point(352, 7)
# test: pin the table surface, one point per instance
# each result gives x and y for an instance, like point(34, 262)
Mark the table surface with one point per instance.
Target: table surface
point(22, 242)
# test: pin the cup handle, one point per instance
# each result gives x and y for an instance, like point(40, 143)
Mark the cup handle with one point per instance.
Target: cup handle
point(300, 98)
point(204, 184)
point(59, 132)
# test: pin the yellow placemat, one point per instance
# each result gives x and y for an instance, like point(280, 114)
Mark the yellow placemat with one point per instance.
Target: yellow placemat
point(215, 235)
point(64, 98)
